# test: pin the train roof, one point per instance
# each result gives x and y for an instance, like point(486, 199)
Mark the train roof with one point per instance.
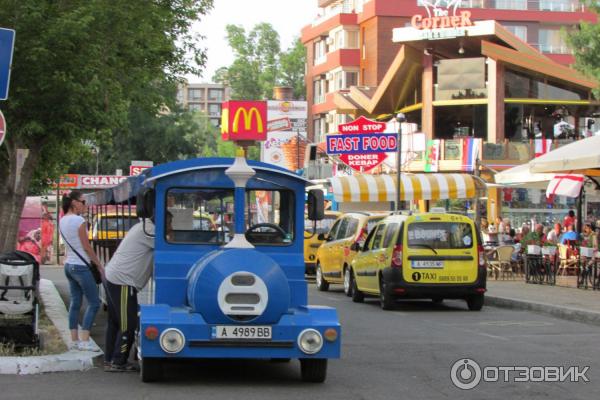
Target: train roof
point(129, 188)
point(196, 164)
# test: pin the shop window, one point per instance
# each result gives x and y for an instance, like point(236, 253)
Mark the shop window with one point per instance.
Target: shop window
point(455, 122)
point(518, 85)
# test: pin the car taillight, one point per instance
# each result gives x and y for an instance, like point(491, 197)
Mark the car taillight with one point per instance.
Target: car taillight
point(481, 255)
point(397, 257)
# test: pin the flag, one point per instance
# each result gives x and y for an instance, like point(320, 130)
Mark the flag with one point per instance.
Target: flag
point(542, 146)
point(432, 155)
point(565, 185)
point(470, 152)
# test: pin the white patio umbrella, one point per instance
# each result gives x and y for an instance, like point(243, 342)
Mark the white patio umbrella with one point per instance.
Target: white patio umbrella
point(580, 157)
point(520, 176)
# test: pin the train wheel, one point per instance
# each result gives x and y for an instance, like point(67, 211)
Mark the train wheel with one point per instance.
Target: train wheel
point(313, 369)
point(150, 369)
point(322, 284)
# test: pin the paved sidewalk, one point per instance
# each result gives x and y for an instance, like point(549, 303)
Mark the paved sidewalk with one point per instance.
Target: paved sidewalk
point(562, 302)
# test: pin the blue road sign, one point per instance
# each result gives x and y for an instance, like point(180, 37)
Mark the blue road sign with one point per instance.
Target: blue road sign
point(7, 42)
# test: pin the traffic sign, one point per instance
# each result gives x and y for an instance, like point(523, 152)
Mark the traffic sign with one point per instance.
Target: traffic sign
point(7, 42)
point(2, 128)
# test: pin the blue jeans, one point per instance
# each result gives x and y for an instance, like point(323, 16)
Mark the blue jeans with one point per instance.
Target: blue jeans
point(82, 283)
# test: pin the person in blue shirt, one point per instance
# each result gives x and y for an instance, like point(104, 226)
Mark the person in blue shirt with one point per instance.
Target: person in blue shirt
point(569, 235)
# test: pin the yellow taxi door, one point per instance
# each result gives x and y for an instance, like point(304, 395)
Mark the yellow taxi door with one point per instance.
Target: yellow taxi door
point(325, 251)
point(338, 251)
point(377, 253)
point(363, 262)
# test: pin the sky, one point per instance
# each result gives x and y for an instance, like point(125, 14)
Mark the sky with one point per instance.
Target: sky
point(288, 17)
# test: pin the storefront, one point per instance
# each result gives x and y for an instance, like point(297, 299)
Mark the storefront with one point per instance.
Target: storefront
point(478, 92)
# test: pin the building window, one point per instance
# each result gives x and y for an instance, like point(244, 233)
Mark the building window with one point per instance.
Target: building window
point(552, 41)
point(215, 121)
point(319, 91)
point(511, 4)
point(560, 5)
point(320, 52)
point(195, 107)
point(319, 129)
point(214, 110)
point(195, 94)
point(519, 31)
point(344, 79)
point(364, 44)
point(215, 94)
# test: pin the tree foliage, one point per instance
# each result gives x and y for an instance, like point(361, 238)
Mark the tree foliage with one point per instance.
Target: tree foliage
point(259, 65)
point(585, 44)
point(81, 70)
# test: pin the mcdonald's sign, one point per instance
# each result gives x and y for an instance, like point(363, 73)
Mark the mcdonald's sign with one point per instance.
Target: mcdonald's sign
point(244, 120)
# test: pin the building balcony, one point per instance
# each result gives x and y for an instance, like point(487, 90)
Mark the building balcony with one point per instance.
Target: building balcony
point(338, 58)
point(322, 25)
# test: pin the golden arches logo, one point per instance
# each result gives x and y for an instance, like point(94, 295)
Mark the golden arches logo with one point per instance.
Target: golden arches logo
point(248, 117)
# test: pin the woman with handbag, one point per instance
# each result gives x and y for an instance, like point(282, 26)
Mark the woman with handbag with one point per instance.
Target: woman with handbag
point(78, 265)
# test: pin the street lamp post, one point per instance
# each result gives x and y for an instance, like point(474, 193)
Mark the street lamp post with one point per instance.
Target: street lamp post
point(400, 118)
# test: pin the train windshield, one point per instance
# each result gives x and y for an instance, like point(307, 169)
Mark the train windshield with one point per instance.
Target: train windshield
point(206, 216)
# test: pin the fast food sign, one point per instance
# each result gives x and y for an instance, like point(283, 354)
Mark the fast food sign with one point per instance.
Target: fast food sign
point(244, 120)
point(362, 145)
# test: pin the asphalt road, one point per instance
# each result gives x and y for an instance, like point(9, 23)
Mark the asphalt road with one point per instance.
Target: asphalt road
point(406, 353)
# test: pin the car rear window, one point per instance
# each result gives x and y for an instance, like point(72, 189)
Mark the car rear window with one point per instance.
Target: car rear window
point(440, 235)
point(372, 222)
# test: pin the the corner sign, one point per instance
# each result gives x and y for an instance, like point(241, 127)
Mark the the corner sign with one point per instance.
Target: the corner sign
point(443, 21)
point(244, 120)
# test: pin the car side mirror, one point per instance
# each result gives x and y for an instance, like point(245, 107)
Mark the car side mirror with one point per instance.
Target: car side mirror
point(356, 247)
point(316, 205)
point(322, 236)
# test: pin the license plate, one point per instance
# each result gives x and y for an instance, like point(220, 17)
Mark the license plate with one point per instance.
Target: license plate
point(427, 264)
point(241, 332)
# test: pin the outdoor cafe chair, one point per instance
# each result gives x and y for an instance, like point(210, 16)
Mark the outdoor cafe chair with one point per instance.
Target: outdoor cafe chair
point(568, 262)
point(503, 263)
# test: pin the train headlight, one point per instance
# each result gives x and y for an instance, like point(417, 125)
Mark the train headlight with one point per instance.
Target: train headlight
point(172, 340)
point(310, 341)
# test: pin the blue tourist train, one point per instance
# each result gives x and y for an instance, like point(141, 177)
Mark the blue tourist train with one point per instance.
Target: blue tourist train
point(228, 277)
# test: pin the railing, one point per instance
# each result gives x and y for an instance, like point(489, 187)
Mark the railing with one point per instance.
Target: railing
point(333, 11)
point(540, 5)
point(517, 150)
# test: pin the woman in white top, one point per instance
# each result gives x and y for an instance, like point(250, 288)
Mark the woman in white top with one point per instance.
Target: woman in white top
point(81, 281)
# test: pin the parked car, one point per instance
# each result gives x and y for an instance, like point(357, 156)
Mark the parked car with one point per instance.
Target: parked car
point(335, 254)
point(436, 256)
point(312, 241)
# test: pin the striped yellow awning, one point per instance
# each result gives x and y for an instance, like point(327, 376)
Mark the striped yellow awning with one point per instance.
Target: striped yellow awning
point(363, 188)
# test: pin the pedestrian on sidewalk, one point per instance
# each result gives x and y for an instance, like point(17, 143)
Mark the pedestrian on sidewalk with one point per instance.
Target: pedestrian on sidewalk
point(81, 281)
point(127, 273)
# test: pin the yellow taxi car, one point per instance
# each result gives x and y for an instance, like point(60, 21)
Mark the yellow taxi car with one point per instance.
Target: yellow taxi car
point(427, 255)
point(311, 238)
point(110, 226)
point(335, 254)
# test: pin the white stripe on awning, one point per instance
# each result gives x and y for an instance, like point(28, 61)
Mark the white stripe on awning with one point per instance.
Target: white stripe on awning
point(378, 188)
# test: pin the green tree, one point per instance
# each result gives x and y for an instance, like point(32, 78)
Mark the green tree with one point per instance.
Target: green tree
point(585, 44)
point(292, 69)
point(79, 68)
point(255, 68)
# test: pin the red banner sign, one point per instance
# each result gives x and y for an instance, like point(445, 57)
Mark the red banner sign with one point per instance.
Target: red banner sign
point(367, 127)
point(244, 120)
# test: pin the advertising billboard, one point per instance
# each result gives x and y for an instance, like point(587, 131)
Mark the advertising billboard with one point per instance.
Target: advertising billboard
point(285, 145)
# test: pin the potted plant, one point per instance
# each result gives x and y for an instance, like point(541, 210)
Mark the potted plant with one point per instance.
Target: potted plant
point(549, 249)
point(585, 250)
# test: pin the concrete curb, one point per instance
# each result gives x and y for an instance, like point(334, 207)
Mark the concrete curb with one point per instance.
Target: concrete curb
point(73, 360)
point(567, 313)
